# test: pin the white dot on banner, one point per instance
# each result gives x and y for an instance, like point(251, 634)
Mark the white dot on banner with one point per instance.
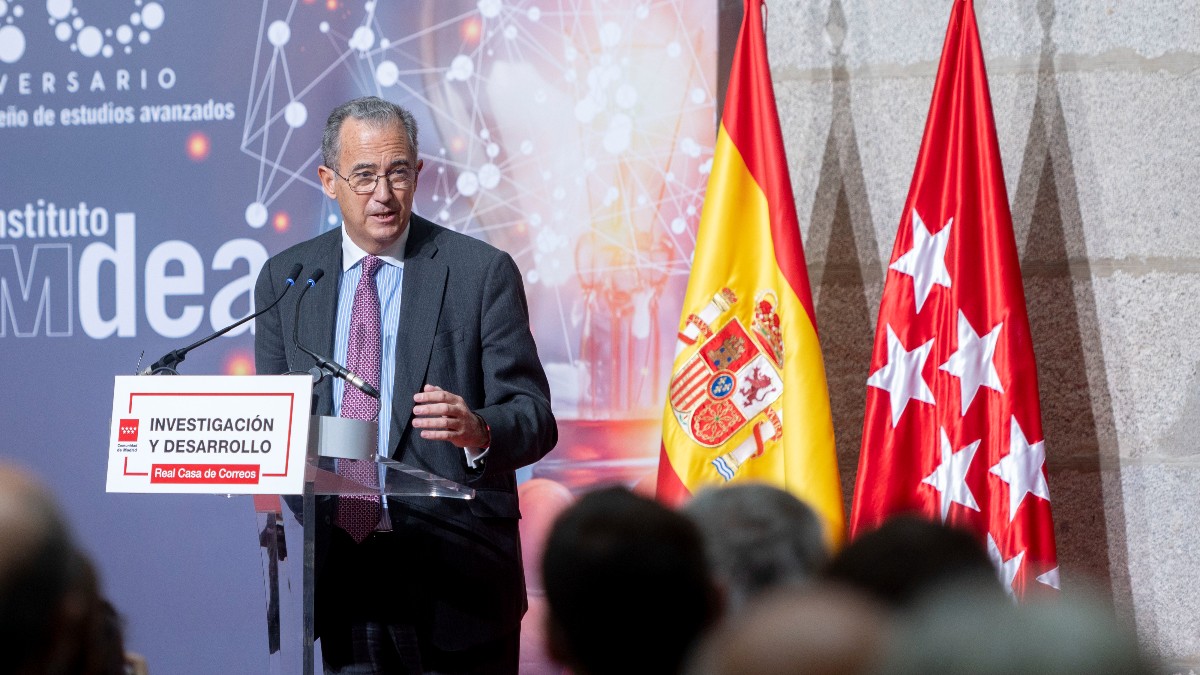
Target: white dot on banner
point(107, 51)
point(674, 50)
point(135, 19)
point(493, 150)
point(443, 215)
point(387, 73)
point(534, 13)
point(256, 215)
point(332, 219)
point(489, 176)
point(18, 11)
point(107, 32)
point(467, 184)
point(461, 68)
point(323, 26)
point(678, 225)
point(12, 44)
point(153, 15)
point(385, 43)
point(77, 23)
point(124, 34)
point(526, 147)
point(89, 41)
point(698, 96)
point(278, 33)
point(642, 11)
point(59, 9)
point(144, 38)
point(485, 134)
point(363, 39)
point(4, 10)
point(63, 31)
point(489, 9)
point(510, 32)
point(295, 114)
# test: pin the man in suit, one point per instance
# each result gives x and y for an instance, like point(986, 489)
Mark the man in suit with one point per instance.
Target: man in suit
point(436, 585)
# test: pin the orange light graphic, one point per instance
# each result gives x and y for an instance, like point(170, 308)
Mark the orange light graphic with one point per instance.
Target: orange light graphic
point(198, 146)
point(239, 363)
point(471, 30)
point(281, 222)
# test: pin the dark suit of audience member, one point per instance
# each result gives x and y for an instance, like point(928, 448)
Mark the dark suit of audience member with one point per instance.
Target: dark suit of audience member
point(439, 585)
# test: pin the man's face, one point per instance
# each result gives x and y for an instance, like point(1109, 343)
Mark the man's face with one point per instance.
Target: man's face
point(376, 220)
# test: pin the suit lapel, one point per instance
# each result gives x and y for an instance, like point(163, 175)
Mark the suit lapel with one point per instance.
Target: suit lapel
point(420, 306)
point(318, 315)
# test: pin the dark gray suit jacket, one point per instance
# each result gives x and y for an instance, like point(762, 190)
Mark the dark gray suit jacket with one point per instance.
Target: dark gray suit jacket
point(464, 326)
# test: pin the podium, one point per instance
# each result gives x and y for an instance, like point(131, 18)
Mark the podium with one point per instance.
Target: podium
point(289, 582)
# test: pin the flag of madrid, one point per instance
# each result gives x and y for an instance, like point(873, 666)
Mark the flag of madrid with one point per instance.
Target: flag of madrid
point(953, 426)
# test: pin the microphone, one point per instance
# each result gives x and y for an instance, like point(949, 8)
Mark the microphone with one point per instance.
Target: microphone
point(170, 360)
point(329, 365)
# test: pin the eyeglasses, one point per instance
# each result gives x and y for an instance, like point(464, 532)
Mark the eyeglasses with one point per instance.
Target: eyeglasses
point(364, 182)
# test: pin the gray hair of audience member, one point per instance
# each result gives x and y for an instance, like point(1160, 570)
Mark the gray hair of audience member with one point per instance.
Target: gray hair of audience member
point(757, 536)
point(800, 630)
point(961, 629)
point(370, 109)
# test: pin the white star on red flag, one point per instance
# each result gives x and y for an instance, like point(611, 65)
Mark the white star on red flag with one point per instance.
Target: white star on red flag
point(973, 363)
point(1050, 578)
point(901, 377)
point(950, 476)
point(1021, 468)
point(1007, 570)
point(925, 262)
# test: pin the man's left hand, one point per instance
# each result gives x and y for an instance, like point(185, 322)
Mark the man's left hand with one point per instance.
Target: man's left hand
point(441, 415)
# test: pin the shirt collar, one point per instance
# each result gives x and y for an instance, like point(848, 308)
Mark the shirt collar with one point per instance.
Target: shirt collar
point(392, 255)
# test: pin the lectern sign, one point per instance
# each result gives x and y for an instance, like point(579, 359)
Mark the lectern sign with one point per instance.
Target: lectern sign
point(209, 434)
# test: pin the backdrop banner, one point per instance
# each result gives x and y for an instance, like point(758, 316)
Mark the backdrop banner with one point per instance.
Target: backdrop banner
point(156, 153)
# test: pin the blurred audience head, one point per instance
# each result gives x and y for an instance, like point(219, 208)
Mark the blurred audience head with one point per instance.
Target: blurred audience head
point(908, 557)
point(958, 631)
point(801, 630)
point(627, 584)
point(52, 617)
point(757, 537)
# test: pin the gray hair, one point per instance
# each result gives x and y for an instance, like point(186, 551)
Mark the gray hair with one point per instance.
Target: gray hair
point(757, 537)
point(372, 110)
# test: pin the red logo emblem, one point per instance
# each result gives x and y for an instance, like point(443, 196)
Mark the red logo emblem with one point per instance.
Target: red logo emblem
point(128, 431)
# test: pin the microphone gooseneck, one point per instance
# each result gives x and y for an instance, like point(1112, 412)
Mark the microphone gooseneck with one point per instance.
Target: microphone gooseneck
point(329, 365)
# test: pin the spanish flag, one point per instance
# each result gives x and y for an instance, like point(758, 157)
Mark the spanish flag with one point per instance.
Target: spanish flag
point(748, 399)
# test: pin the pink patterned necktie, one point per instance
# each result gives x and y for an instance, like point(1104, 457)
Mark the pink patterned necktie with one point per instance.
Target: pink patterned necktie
point(359, 514)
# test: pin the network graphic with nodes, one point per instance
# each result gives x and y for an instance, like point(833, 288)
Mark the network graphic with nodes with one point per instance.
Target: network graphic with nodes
point(576, 135)
point(72, 27)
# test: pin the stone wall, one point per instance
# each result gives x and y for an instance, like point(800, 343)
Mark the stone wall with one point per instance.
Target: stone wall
point(1095, 105)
